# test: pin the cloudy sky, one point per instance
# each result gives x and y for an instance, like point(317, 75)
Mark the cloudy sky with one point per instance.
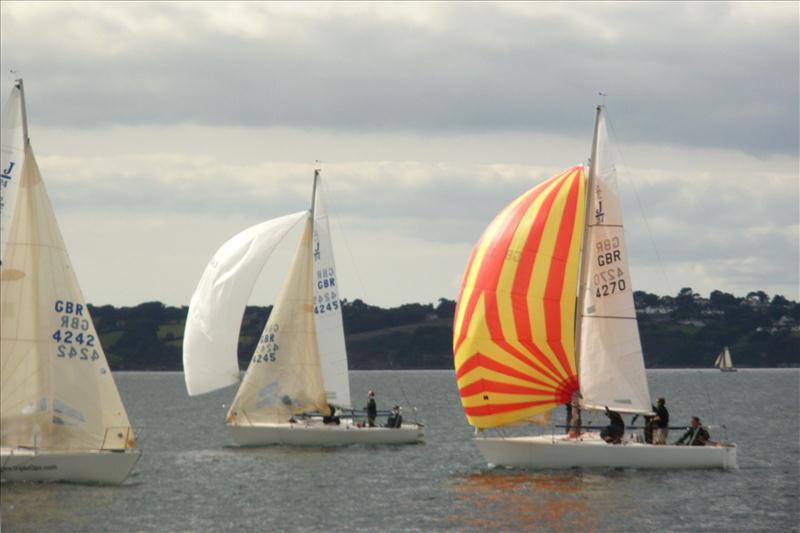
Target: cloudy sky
point(162, 129)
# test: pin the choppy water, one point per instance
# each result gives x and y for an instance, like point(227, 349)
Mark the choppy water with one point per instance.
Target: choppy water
point(190, 480)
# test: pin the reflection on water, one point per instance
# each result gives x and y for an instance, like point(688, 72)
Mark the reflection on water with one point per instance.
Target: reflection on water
point(523, 501)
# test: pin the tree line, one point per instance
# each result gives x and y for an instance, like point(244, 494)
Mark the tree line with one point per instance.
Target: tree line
point(681, 331)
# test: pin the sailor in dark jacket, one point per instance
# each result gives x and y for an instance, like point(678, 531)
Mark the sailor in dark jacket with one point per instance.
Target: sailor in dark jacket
point(697, 435)
point(372, 409)
point(661, 421)
point(395, 420)
point(615, 429)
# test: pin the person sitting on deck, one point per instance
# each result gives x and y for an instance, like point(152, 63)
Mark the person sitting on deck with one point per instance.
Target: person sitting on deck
point(332, 418)
point(614, 431)
point(697, 434)
point(395, 420)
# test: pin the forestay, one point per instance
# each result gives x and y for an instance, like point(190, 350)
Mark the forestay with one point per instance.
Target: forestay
point(327, 308)
point(284, 376)
point(12, 153)
point(57, 390)
point(211, 336)
point(513, 335)
point(610, 361)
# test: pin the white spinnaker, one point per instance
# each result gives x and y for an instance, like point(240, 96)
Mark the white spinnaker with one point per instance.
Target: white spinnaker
point(12, 153)
point(328, 310)
point(56, 387)
point(211, 336)
point(284, 376)
point(611, 366)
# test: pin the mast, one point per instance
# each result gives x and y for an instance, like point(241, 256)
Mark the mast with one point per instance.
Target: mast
point(20, 86)
point(314, 194)
point(582, 282)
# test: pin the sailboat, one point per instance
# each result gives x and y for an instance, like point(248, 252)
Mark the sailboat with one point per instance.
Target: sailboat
point(724, 362)
point(297, 377)
point(521, 345)
point(61, 416)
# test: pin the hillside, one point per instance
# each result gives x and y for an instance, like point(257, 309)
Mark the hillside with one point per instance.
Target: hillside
point(686, 330)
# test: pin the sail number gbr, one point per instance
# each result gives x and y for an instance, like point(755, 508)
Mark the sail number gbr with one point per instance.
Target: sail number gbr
point(609, 280)
point(72, 336)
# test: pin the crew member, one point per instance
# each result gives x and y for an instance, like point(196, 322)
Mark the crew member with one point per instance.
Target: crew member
point(615, 429)
point(372, 409)
point(395, 420)
point(697, 435)
point(661, 421)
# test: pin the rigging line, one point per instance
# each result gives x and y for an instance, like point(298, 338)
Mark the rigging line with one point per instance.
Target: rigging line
point(639, 202)
point(331, 207)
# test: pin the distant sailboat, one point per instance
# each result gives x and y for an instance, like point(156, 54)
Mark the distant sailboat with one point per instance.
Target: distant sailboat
point(723, 361)
point(520, 351)
point(299, 368)
point(61, 416)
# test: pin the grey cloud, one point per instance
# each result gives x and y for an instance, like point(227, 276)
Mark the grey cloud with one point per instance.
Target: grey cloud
point(700, 75)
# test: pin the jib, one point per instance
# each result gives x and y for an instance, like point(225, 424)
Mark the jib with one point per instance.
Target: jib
point(69, 308)
point(325, 283)
point(608, 258)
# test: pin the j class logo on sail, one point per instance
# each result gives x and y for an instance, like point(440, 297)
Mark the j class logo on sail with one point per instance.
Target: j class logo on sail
point(6, 175)
point(73, 340)
point(317, 253)
point(267, 349)
point(5, 179)
point(610, 280)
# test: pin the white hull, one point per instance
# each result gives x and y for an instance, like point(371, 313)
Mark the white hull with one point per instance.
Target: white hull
point(315, 433)
point(112, 467)
point(590, 451)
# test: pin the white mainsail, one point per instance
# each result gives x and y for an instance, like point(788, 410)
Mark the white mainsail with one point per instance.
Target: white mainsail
point(12, 153)
point(284, 376)
point(327, 308)
point(724, 359)
point(57, 392)
point(610, 361)
point(211, 336)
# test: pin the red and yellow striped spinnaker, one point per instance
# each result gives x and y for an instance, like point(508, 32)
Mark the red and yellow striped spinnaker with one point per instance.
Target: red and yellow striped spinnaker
point(513, 337)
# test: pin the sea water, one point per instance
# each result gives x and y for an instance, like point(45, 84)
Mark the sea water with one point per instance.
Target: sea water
point(191, 479)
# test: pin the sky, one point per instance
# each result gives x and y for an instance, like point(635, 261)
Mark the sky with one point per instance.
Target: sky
point(163, 129)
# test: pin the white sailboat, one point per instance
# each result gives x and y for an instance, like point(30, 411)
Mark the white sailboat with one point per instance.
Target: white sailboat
point(299, 368)
point(521, 351)
point(724, 362)
point(61, 416)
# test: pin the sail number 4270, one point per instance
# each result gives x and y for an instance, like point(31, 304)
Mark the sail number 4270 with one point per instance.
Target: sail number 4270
point(609, 282)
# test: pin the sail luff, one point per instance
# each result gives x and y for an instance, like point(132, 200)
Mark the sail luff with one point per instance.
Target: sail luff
point(23, 109)
point(14, 140)
point(584, 274)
